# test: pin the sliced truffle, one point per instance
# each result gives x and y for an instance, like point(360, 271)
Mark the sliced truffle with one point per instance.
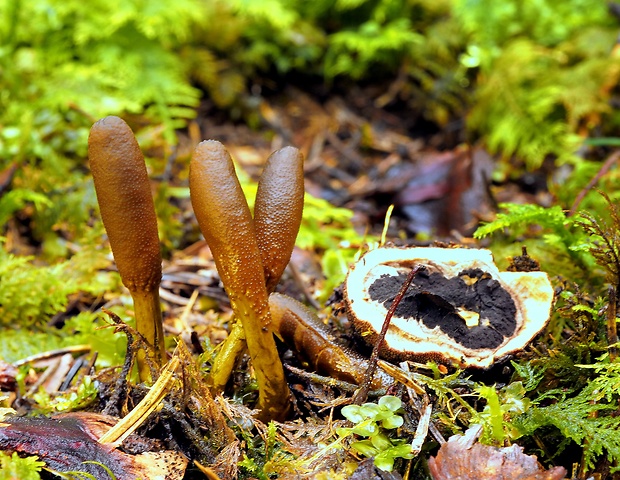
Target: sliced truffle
point(459, 309)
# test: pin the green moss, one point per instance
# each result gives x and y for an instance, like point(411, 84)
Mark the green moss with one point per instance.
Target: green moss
point(13, 466)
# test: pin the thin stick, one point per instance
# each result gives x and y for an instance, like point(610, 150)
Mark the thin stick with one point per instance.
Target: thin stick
point(386, 224)
point(613, 158)
point(612, 333)
point(119, 432)
point(362, 394)
point(52, 354)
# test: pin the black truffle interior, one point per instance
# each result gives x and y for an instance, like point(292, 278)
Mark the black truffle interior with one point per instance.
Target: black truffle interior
point(435, 300)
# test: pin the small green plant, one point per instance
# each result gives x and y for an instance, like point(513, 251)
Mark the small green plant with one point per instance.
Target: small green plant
point(586, 418)
point(580, 411)
point(501, 407)
point(371, 421)
point(263, 457)
point(85, 395)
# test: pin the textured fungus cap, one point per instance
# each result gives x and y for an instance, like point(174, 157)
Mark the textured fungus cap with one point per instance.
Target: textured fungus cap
point(459, 309)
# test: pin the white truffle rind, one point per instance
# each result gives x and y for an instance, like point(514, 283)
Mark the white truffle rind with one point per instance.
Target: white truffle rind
point(410, 338)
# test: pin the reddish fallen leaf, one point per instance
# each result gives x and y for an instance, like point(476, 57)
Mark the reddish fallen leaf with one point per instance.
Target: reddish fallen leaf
point(463, 458)
point(448, 191)
point(6, 176)
point(69, 443)
point(8, 374)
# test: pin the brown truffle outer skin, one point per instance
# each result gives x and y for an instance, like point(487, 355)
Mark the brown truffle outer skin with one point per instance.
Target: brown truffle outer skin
point(278, 210)
point(226, 223)
point(126, 203)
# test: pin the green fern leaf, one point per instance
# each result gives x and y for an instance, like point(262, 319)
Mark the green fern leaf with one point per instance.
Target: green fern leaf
point(519, 215)
point(582, 419)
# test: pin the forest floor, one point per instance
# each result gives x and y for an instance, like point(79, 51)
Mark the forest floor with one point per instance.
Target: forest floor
point(359, 156)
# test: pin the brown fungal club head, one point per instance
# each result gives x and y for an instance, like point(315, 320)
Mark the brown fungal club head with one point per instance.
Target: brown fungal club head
point(459, 309)
point(278, 211)
point(128, 213)
point(226, 223)
point(127, 208)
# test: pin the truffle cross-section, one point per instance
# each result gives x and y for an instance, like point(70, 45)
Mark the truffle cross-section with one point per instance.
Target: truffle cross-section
point(459, 309)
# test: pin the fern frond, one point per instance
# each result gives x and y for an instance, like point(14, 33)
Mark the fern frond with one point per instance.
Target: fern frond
point(604, 241)
point(530, 375)
point(606, 384)
point(539, 83)
point(47, 287)
point(518, 109)
point(520, 215)
point(16, 199)
point(276, 13)
point(354, 51)
point(583, 419)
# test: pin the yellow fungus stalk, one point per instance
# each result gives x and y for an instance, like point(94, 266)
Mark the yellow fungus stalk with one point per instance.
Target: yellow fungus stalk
point(226, 223)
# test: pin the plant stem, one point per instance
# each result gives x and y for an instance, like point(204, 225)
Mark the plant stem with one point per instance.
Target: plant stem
point(612, 332)
point(224, 362)
point(148, 323)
